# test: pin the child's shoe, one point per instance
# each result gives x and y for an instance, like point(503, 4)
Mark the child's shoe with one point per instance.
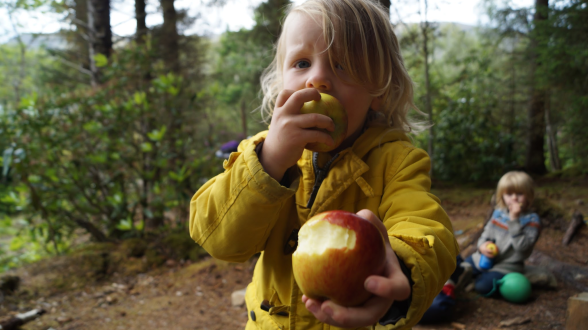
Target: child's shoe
point(464, 278)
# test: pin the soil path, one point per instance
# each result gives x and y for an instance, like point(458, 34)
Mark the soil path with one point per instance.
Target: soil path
point(198, 295)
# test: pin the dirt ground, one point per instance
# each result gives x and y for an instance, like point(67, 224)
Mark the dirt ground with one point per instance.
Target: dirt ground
point(185, 295)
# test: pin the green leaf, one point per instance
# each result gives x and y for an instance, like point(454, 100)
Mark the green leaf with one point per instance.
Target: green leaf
point(125, 225)
point(157, 135)
point(101, 60)
point(146, 147)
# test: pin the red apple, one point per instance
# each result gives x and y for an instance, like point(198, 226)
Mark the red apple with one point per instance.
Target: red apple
point(332, 108)
point(337, 251)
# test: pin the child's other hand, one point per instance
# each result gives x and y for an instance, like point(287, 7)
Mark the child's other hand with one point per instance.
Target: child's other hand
point(485, 250)
point(392, 286)
point(289, 131)
point(514, 210)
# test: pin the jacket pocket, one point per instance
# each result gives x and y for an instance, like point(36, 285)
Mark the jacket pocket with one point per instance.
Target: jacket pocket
point(262, 314)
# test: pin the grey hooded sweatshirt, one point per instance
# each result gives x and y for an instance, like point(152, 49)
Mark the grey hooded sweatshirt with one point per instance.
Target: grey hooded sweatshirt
point(515, 240)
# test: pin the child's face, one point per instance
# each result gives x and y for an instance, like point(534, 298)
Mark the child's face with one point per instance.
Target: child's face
point(510, 198)
point(306, 65)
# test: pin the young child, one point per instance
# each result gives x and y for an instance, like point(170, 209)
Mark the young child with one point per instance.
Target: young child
point(513, 229)
point(272, 185)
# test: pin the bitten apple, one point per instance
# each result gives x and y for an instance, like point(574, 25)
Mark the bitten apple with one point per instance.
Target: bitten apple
point(337, 251)
point(332, 108)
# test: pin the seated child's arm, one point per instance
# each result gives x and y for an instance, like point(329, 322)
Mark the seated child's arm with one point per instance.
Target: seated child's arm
point(524, 232)
point(232, 215)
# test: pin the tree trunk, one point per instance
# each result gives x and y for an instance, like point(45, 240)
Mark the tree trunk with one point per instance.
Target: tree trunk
point(101, 34)
point(244, 118)
point(535, 158)
point(551, 139)
point(140, 16)
point(170, 37)
point(425, 29)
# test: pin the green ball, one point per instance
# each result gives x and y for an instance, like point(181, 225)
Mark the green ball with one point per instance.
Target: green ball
point(515, 287)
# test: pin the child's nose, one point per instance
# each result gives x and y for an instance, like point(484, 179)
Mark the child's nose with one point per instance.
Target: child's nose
point(319, 79)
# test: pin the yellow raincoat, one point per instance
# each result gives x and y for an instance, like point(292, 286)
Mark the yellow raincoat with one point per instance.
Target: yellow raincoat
point(244, 211)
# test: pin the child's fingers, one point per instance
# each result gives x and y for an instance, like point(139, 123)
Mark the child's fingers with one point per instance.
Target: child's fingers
point(370, 216)
point(315, 120)
point(353, 317)
point(296, 99)
point(283, 96)
point(395, 287)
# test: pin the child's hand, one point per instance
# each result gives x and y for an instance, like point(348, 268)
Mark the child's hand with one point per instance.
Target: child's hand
point(290, 131)
point(486, 251)
point(514, 210)
point(392, 286)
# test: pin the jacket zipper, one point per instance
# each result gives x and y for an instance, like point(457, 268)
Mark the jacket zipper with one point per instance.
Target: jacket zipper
point(320, 174)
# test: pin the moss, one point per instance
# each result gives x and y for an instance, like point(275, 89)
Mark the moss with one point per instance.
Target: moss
point(133, 247)
point(180, 246)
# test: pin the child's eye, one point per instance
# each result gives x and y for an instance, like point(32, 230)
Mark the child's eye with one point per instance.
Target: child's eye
point(302, 64)
point(339, 66)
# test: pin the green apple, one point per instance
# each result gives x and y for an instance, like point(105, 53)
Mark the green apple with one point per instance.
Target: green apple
point(332, 108)
point(337, 251)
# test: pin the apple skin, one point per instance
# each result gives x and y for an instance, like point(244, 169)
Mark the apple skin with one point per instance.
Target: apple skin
point(332, 108)
point(493, 249)
point(339, 274)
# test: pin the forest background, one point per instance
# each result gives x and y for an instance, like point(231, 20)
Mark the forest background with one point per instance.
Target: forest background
point(105, 138)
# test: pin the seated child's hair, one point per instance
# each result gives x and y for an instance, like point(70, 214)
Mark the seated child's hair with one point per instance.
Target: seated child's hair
point(362, 41)
point(515, 182)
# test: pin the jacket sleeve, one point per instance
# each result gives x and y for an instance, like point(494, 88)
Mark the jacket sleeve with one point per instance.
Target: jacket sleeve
point(420, 231)
point(232, 215)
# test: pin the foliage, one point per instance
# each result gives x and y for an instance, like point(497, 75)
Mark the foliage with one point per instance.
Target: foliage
point(105, 159)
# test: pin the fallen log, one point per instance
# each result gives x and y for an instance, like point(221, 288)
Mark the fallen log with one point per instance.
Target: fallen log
point(577, 222)
point(16, 322)
point(563, 271)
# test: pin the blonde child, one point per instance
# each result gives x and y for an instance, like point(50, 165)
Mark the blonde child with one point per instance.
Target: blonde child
point(272, 185)
point(513, 229)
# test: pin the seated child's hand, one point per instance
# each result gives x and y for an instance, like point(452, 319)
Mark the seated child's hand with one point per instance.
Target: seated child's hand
point(392, 286)
point(486, 251)
point(514, 210)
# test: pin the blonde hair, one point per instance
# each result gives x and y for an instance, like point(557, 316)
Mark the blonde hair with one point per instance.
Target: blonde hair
point(515, 182)
point(362, 41)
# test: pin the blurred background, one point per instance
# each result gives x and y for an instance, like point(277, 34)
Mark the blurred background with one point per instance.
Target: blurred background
point(111, 112)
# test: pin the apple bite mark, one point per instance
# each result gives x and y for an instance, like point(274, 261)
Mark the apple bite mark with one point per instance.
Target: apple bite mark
point(318, 236)
point(336, 252)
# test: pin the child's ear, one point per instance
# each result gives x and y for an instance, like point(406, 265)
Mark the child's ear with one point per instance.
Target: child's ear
point(376, 103)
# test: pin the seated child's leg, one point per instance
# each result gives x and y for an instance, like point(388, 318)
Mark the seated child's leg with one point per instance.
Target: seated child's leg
point(475, 270)
point(442, 308)
point(485, 281)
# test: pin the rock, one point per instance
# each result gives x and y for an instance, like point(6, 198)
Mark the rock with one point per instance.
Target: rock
point(238, 298)
point(63, 319)
point(540, 276)
point(457, 325)
point(577, 313)
point(516, 321)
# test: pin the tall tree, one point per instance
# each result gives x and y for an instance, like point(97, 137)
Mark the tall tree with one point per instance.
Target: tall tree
point(140, 16)
point(535, 156)
point(100, 34)
point(427, 29)
point(170, 37)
